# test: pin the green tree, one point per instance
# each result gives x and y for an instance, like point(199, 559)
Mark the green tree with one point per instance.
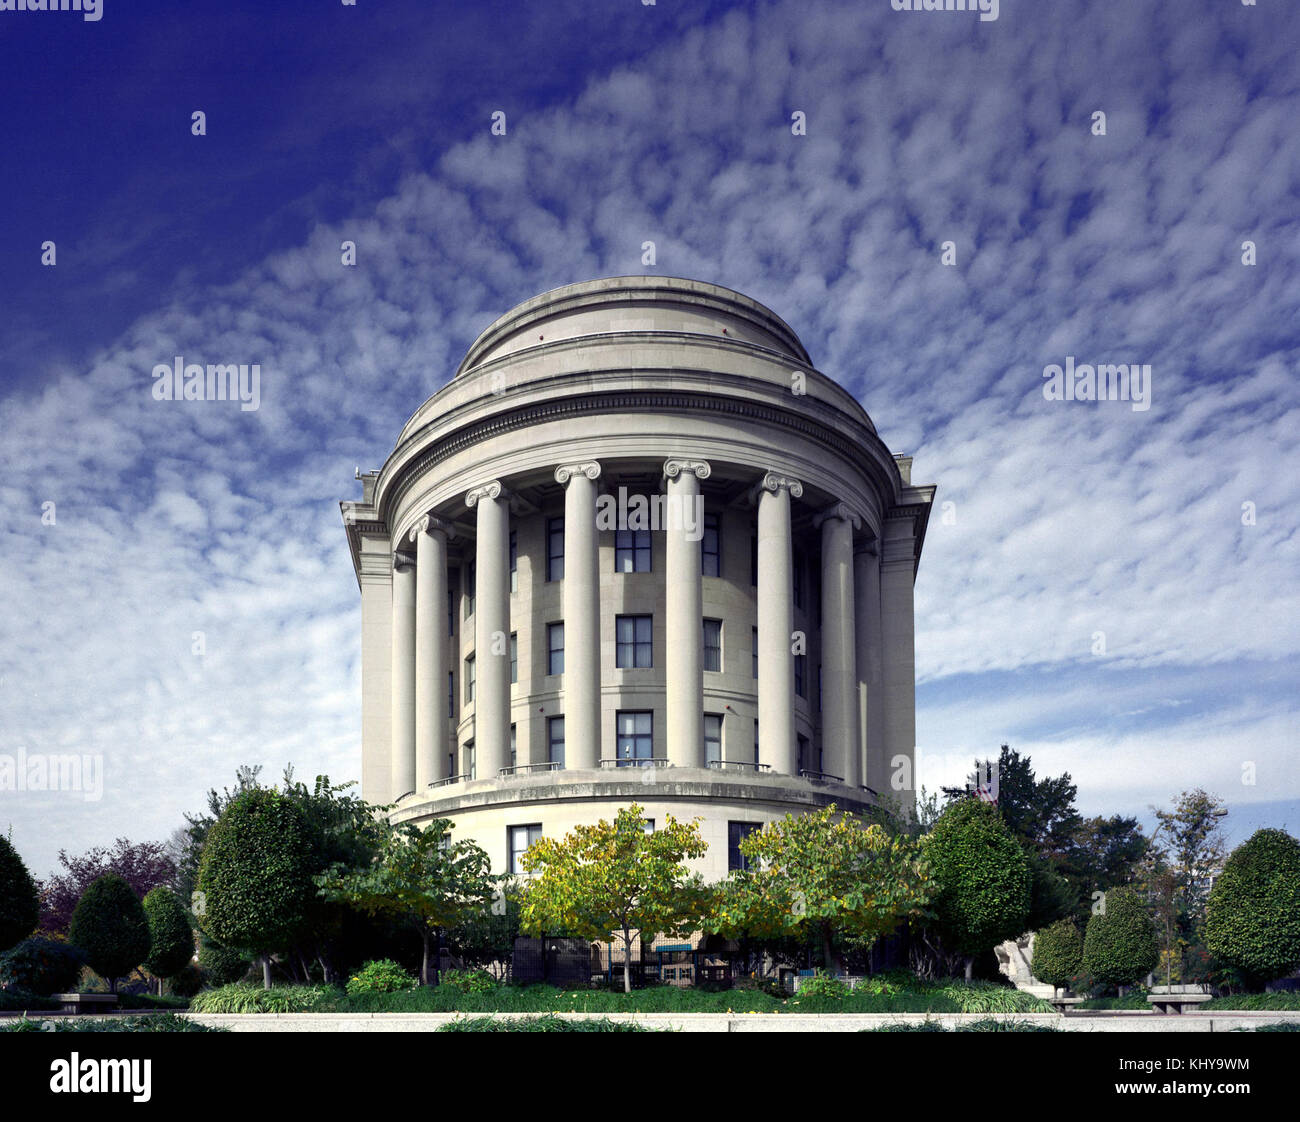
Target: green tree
point(1189, 840)
point(171, 940)
point(1252, 919)
point(614, 878)
point(1120, 945)
point(983, 880)
point(1105, 854)
point(254, 883)
point(823, 876)
point(420, 877)
point(1058, 953)
point(487, 938)
point(20, 903)
point(110, 928)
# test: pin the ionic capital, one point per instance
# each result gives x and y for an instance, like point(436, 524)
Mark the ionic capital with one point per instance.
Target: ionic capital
point(838, 510)
point(490, 490)
point(775, 482)
point(698, 468)
point(565, 472)
point(430, 524)
point(402, 561)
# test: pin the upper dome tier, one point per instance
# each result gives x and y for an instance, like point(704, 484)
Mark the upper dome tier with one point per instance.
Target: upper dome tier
point(638, 304)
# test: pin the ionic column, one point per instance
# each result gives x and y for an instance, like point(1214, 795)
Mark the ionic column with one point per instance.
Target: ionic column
point(684, 613)
point(430, 536)
point(492, 629)
point(897, 635)
point(403, 778)
point(581, 600)
point(866, 592)
point(776, 738)
point(840, 748)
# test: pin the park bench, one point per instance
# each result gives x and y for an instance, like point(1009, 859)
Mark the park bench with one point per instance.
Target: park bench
point(85, 1002)
point(1174, 1002)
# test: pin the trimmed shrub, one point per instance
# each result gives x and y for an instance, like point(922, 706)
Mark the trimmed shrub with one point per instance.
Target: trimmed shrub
point(20, 903)
point(110, 928)
point(41, 966)
point(1252, 919)
point(171, 942)
point(246, 997)
point(469, 981)
point(186, 982)
point(381, 976)
point(822, 985)
point(1120, 946)
point(222, 966)
point(983, 877)
point(1058, 953)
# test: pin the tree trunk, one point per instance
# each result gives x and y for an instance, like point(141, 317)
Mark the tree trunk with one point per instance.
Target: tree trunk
point(828, 953)
point(970, 966)
point(266, 971)
point(159, 981)
point(627, 960)
point(424, 961)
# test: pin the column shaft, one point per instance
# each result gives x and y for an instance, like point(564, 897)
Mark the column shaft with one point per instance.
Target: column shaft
point(403, 777)
point(840, 747)
point(430, 653)
point(776, 737)
point(492, 631)
point(684, 611)
point(866, 580)
point(581, 599)
point(898, 645)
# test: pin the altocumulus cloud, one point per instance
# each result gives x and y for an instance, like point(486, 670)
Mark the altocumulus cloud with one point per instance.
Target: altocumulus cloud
point(193, 607)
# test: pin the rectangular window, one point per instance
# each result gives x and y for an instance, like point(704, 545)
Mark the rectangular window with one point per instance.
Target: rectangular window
point(800, 668)
point(555, 549)
point(755, 653)
point(755, 741)
point(635, 739)
point(633, 644)
point(648, 825)
point(711, 547)
point(514, 560)
point(471, 587)
point(631, 551)
point(451, 609)
point(451, 693)
point(513, 743)
point(737, 832)
point(514, 658)
point(797, 570)
point(518, 839)
point(470, 679)
point(555, 648)
point(713, 644)
point(712, 738)
point(555, 741)
point(753, 559)
point(469, 757)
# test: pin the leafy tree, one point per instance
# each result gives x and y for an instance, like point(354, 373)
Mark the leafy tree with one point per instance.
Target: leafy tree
point(1189, 840)
point(171, 941)
point(983, 879)
point(1120, 945)
point(254, 883)
point(421, 877)
point(487, 938)
point(614, 878)
point(143, 865)
point(1058, 953)
point(19, 900)
point(1252, 919)
point(1105, 854)
point(222, 965)
point(41, 966)
point(820, 876)
point(109, 927)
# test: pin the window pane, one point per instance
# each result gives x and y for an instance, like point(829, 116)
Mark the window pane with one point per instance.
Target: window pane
point(555, 549)
point(711, 547)
point(555, 740)
point(712, 738)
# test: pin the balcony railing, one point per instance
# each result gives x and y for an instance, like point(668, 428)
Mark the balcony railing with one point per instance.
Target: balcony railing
point(448, 781)
point(821, 776)
point(642, 762)
point(524, 769)
point(737, 765)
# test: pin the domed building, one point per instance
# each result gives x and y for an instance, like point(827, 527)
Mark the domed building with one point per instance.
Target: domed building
point(637, 550)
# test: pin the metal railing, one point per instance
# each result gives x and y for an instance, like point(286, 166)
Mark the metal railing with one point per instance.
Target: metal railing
point(653, 761)
point(521, 769)
point(821, 776)
point(448, 781)
point(737, 765)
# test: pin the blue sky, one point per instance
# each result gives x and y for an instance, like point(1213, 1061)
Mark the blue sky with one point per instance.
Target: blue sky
point(669, 122)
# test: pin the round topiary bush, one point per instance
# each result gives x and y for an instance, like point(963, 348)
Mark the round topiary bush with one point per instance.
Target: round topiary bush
point(110, 928)
point(20, 903)
point(983, 879)
point(1252, 918)
point(381, 976)
point(1058, 953)
point(41, 966)
point(1120, 946)
point(171, 942)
